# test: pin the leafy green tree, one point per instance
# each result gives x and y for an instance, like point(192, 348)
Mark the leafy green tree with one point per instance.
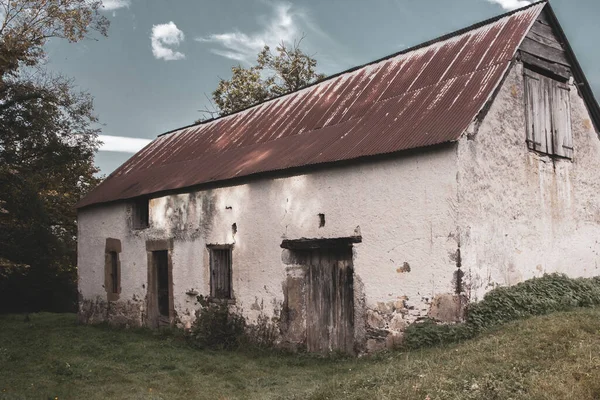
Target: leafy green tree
point(245, 88)
point(288, 69)
point(47, 144)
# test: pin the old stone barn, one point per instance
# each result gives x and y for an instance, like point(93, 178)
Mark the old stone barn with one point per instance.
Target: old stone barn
point(342, 212)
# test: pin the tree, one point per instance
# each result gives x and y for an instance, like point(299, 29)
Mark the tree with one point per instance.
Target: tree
point(47, 145)
point(287, 70)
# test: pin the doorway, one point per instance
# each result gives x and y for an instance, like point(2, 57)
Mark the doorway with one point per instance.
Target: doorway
point(161, 263)
point(319, 293)
point(160, 289)
point(330, 305)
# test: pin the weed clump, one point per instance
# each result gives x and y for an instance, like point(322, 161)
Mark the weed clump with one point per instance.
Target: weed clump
point(216, 327)
point(537, 296)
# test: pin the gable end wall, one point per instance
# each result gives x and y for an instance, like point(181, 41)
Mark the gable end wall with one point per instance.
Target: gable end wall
point(523, 214)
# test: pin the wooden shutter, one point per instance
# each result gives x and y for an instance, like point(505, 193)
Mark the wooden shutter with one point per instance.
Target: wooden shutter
point(539, 119)
point(114, 272)
point(532, 85)
point(220, 273)
point(108, 271)
point(561, 120)
point(215, 275)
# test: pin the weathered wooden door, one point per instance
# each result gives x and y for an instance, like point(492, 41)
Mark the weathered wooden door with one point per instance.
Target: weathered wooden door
point(330, 308)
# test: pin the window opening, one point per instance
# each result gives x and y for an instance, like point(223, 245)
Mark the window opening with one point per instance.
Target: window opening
point(220, 272)
point(141, 213)
point(548, 113)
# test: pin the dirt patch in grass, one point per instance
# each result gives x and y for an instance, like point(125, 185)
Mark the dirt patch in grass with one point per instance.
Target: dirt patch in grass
point(552, 357)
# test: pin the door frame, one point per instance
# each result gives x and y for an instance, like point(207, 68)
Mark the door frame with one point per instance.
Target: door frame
point(152, 313)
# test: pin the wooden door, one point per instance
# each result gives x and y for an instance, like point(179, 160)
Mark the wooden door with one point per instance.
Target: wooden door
point(330, 308)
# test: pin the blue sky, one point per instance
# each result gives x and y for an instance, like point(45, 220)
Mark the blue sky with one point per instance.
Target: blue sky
point(163, 57)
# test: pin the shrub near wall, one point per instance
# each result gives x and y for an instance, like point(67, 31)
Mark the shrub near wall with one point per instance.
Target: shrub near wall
point(538, 296)
point(216, 327)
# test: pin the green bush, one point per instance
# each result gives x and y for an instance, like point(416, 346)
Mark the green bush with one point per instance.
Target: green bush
point(538, 296)
point(428, 333)
point(216, 327)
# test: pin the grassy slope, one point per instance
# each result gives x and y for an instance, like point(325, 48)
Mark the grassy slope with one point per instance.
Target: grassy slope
point(551, 357)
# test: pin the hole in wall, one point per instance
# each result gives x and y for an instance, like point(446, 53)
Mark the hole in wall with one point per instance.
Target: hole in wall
point(321, 220)
point(404, 268)
point(234, 228)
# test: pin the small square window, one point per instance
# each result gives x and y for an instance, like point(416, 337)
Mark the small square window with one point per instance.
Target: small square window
point(141, 214)
point(548, 112)
point(220, 272)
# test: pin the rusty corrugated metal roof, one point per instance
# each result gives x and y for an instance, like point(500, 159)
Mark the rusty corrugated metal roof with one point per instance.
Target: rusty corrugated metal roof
point(421, 97)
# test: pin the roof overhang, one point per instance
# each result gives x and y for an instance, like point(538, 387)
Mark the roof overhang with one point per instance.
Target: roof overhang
point(583, 85)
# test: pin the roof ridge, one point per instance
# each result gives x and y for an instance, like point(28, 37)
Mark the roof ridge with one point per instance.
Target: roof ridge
point(355, 68)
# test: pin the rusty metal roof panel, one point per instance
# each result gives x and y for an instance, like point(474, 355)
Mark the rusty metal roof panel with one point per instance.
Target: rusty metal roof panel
point(421, 97)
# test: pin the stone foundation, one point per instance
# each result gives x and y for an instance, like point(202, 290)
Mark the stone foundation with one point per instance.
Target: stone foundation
point(386, 323)
point(119, 313)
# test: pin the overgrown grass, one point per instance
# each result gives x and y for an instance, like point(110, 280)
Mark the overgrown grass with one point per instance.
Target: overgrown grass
point(538, 296)
point(556, 356)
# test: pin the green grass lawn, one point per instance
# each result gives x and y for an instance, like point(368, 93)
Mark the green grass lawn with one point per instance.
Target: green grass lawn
point(551, 357)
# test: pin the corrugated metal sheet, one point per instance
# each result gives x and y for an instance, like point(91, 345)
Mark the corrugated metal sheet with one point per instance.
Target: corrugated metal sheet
point(421, 97)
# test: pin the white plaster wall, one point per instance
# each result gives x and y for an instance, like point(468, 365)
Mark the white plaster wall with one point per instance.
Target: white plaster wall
point(95, 225)
point(523, 214)
point(404, 208)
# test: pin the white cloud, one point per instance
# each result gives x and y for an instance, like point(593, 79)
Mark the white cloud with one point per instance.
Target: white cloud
point(164, 38)
point(112, 5)
point(285, 24)
point(511, 4)
point(122, 144)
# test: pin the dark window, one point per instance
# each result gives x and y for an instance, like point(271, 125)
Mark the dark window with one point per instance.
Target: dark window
point(548, 112)
point(112, 269)
point(141, 214)
point(220, 272)
point(114, 272)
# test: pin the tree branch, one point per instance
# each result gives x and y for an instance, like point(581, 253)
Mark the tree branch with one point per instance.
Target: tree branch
point(19, 99)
